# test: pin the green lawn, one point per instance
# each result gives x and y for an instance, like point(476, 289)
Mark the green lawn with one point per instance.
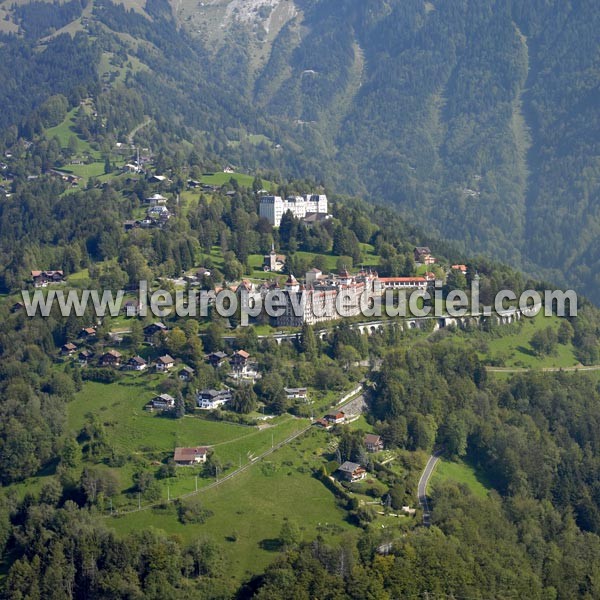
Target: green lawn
point(361, 425)
point(252, 138)
point(82, 275)
point(258, 138)
point(64, 131)
point(515, 350)
point(250, 509)
point(131, 429)
point(144, 437)
point(460, 472)
point(329, 260)
point(244, 448)
point(189, 201)
point(255, 261)
point(244, 180)
point(94, 169)
point(369, 258)
point(215, 256)
point(106, 68)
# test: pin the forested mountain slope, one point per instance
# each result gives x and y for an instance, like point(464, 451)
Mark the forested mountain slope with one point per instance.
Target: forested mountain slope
point(477, 119)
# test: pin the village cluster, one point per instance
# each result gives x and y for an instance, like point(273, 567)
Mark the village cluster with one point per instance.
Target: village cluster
point(242, 368)
point(320, 297)
point(317, 293)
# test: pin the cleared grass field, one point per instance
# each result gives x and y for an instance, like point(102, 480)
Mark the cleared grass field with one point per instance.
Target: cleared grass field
point(243, 179)
point(515, 350)
point(361, 424)
point(65, 131)
point(147, 438)
point(83, 275)
point(131, 429)
point(253, 138)
point(460, 472)
point(250, 509)
point(369, 258)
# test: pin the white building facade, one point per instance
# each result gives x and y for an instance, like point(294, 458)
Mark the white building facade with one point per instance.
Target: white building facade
point(273, 208)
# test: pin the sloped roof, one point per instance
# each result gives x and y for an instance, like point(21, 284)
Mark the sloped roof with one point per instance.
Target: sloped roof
point(188, 454)
point(165, 360)
point(349, 467)
point(371, 438)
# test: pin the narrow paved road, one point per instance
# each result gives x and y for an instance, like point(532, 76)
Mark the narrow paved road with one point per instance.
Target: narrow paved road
point(422, 487)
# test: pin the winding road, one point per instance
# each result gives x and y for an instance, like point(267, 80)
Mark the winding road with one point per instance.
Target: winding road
point(136, 129)
point(422, 487)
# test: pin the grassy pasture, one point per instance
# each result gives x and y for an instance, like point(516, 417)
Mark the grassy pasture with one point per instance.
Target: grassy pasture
point(460, 472)
point(250, 509)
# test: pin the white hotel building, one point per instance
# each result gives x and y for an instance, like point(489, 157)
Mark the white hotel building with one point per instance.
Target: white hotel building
point(273, 208)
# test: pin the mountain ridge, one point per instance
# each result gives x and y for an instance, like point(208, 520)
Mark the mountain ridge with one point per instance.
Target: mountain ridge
point(477, 120)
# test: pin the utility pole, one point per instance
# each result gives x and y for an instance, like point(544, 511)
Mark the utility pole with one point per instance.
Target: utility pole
point(139, 502)
point(272, 444)
point(196, 482)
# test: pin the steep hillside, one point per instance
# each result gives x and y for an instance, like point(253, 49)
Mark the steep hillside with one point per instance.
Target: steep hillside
point(476, 119)
point(479, 119)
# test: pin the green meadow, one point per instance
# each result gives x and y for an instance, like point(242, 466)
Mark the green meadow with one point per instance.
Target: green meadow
point(65, 131)
point(515, 350)
point(220, 178)
point(249, 510)
point(460, 472)
point(131, 429)
point(144, 438)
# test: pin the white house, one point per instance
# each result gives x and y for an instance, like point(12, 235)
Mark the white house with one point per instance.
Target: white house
point(296, 394)
point(162, 402)
point(190, 456)
point(211, 399)
point(155, 200)
point(164, 363)
point(137, 363)
point(273, 208)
